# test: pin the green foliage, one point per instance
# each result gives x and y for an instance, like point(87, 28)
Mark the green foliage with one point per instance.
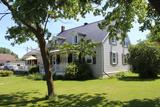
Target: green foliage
point(34, 69)
point(84, 72)
point(83, 48)
point(30, 19)
point(121, 15)
point(5, 73)
point(36, 76)
point(71, 71)
point(7, 51)
point(145, 59)
point(118, 75)
point(78, 72)
point(90, 93)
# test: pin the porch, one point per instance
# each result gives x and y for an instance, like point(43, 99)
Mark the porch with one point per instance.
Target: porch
point(60, 60)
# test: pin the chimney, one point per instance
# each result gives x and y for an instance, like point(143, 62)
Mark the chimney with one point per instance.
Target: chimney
point(85, 23)
point(62, 28)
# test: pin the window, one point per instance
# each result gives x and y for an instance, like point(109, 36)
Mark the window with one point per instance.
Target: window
point(114, 58)
point(58, 59)
point(75, 39)
point(124, 59)
point(113, 41)
point(70, 58)
point(88, 59)
point(125, 43)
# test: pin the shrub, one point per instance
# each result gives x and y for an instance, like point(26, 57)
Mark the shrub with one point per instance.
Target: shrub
point(84, 72)
point(5, 73)
point(78, 72)
point(71, 71)
point(145, 59)
point(36, 76)
point(34, 69)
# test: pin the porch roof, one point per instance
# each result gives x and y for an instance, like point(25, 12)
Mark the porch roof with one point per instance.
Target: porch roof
point(54, 51)
point(31, 58)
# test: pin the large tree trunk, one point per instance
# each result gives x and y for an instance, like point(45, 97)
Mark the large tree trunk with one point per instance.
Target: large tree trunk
point(46, 63)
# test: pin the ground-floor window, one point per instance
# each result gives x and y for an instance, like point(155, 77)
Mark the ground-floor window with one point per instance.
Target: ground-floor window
point(114, 58)
point(89, 59)
point(124, 59)
point(58, 59)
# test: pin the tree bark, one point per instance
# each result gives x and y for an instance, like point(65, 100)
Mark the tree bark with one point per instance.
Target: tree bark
point(46, 63)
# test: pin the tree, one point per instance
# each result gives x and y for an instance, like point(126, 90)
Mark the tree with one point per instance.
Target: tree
point(7, 51)
point(31, 18)
point(79, 69)
point(123, 13)
point(83, 48)
point(145, 59)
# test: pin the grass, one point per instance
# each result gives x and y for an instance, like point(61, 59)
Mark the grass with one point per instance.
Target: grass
point(128, 91)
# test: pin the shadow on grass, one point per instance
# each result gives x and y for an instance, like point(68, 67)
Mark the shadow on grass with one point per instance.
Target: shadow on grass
point(21, 99)
point(18, 99)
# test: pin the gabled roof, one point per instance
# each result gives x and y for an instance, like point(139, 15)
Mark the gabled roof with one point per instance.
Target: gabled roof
point(7, 57)
point(32, 52)
point(91, 30)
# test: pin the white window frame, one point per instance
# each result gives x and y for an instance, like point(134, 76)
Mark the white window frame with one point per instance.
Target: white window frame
point(112, 58)
point(113, 41)
point(125, 43)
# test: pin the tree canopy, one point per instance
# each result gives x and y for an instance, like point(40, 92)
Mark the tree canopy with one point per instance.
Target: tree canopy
point(7, 51)
point(31, 18)
point(121, 14)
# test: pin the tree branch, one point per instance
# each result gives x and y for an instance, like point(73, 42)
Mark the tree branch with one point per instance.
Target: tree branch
point(46, 22)
point(3, 16)
point(7, 4)
point(4, 13)
point(12, 11)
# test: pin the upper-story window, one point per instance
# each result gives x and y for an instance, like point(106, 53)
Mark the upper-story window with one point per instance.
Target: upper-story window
point(125, 43)
point(75, 39)
point(113, 41)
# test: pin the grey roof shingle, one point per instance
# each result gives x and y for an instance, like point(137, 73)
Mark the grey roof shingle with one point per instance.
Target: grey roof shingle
point(91, 30)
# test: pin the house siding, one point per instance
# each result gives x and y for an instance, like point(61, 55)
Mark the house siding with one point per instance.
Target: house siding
point(108, 67)
point(98, 67)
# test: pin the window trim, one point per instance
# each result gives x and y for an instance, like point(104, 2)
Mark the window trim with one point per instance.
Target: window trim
point(125, 43)
point(116, 58)
point(113, 41)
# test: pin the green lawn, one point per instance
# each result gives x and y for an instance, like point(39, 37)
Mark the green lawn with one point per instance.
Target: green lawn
point(126, 92)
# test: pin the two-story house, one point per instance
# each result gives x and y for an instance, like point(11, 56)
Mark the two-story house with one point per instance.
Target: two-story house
point(111, 55)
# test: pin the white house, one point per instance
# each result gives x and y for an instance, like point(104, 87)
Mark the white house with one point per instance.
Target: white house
point(111, 55)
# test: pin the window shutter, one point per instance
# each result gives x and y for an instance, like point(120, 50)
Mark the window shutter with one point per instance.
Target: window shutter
point(111, 58)
point(117, 57)
point(122, 58)
point(94, 58)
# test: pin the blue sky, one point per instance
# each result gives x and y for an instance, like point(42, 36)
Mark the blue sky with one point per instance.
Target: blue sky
point(54, 28)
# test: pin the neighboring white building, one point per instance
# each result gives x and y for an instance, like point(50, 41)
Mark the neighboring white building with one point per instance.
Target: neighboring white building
point(34, 58)
point(110, 54)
